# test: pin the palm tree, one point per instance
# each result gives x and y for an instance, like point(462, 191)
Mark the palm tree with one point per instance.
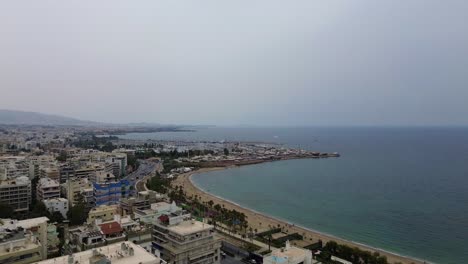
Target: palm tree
point(269, 241)
point(210, 203)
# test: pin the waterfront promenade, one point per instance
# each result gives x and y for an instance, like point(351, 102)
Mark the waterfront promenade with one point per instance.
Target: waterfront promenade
point(262, 222)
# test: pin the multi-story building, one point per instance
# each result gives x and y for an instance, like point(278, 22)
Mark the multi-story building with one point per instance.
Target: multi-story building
point(16, 193)
point(161, 208)
point(103, 213)
point(38, 162)
point(57, 205)
point(47, 189)
point(14, 166)
point(50, 172)
point(19, 246)
point(73, 188)
point(29, 248)
point(83, 238)
point(142, 203)
point(129, 205)
point(185, 241)
point(118, 253)
point(118, 163)
point(88, 172)
point(103, 177)
point(67, 172)
point(108, 193)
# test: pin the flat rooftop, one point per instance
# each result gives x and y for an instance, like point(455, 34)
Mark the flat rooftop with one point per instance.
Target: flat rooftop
point(286, 255)
point(32, 222)
point(189, 227)
point(103, 208)
point(113, 252)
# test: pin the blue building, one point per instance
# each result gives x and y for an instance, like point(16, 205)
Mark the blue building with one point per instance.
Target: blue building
point(111, 192)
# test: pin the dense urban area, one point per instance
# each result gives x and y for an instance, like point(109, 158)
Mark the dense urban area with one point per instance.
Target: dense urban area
point(84, 195)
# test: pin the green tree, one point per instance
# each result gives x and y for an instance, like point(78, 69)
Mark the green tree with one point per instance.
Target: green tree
point(226, 151)
point(56, 217)
point(39, 210)
point(77, 213)
point(63, 156)
point(6, 211)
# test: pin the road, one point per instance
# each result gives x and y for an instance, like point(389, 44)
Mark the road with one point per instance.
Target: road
point(145, 170)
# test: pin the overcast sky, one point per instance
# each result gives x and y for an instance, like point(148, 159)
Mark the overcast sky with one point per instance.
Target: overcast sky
point(254, 62)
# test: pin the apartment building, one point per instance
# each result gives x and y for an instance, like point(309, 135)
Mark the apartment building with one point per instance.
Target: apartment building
point(57, 205)
point(104, 213)
point(118, 164)
point(47, 189)
point(185, 241)
point(50, 172)
point(19, 246)
point(74, 188)
point(89, 171)
point(107, 193)
point(23, 241)
point(152, 214)
point(67, 172)
point(16, 193)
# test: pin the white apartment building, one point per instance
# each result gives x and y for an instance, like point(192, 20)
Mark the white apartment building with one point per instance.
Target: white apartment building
point(57, 205)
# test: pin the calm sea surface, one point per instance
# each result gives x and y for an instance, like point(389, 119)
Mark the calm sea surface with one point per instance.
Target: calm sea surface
point(400, 189)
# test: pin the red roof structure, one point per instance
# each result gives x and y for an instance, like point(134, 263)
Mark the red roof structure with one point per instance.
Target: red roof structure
point(111, 228)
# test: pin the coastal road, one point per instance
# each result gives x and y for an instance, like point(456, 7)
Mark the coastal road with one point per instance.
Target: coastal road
point(146, 169)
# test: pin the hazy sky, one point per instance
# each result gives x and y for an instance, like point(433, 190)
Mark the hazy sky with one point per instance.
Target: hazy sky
point(297, 62)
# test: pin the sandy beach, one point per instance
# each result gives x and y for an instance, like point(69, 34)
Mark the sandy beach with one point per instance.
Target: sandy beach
point(262, 222)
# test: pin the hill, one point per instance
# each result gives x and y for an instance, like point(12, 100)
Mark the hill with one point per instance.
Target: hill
point(12, 117)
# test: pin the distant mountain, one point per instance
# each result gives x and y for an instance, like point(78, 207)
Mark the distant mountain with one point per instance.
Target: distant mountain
point(11, 117)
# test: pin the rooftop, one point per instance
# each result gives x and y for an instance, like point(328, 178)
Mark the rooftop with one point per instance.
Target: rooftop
point(51, 200)
point(119, 253)
point(103, 208)
point(288, 254)
point(47, 182)
point(32, 222)
point(110, 228)
point(23, 180)
point(189, 227)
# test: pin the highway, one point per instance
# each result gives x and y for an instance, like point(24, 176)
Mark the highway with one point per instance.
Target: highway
point(144, 171)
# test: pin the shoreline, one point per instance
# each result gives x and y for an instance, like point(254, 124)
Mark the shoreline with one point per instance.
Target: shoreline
point(260, 220)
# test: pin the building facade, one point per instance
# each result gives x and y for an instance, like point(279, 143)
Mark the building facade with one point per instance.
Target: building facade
point(47, 189)
point(186, 242)
point(17, 194)
point(57, 205)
